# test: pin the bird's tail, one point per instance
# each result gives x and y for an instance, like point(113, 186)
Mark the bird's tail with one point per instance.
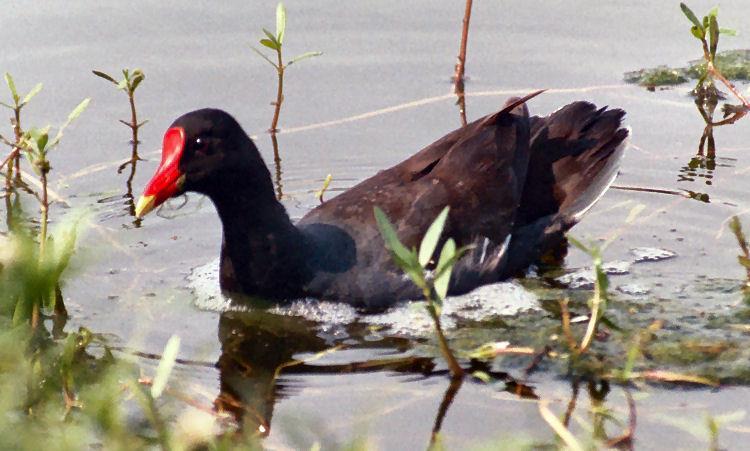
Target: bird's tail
point(574, 157)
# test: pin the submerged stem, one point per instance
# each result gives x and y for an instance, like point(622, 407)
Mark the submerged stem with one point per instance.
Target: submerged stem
point(455, 369)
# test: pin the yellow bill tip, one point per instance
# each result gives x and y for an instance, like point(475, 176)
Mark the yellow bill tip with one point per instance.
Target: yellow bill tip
point(145, 204)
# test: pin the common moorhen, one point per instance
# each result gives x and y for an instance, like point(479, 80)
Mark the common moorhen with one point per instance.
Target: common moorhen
point(515, 184)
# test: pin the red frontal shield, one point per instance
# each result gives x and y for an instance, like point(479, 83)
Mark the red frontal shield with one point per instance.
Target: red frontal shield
point(168, 179)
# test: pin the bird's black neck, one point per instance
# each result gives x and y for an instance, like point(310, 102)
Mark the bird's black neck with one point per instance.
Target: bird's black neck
point(263, 253)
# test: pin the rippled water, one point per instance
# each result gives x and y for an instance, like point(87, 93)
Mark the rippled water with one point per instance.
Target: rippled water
point(381, 92)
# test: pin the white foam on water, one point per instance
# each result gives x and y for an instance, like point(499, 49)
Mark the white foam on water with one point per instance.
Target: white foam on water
point(407, 318)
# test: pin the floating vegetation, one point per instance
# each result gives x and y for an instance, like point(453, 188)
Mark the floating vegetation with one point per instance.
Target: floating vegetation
point(658, 76)
point(734, 64)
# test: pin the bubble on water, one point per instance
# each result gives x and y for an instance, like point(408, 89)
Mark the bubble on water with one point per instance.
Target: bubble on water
point(616, 268)
point(633, 289)
point(651, 254)
point(583, 278)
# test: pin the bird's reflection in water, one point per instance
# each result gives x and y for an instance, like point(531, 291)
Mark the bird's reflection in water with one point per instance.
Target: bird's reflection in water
point(260, 350)
point(254, 346)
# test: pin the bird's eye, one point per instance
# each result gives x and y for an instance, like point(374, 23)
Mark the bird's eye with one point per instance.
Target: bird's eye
point(200, 144)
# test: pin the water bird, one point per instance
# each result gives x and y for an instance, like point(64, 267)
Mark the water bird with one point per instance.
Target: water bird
point(515, 185)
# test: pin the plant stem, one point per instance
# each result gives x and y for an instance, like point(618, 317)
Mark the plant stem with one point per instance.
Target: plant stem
point(459, 75)
point(565, 316)
point(277, 166)
point(9, 171)
point(448, 397)
point(133, 126)
point(279, 92)
point(133, 119)
point(45, 211)
point(593, 321)
point(18, 135)
point(715, 73)
point(44, 207)
point(455, 368)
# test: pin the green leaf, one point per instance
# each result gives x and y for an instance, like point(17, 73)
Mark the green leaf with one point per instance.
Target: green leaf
point(34, 91)
point(136, 80)
point(78, 110)
point(71, 117)
point(404, 257)
point(264, 57)
point(123, 84)
point(744, 261)
point(104, 75)
point(447, 253)
point(270, 44)
point(698, 32)
point(691, 16)
point(728, 31)
point(303, 56)
point(168, 358)
point(39, 138)
point(12, 87)
point(431, 238)
point(280, 22)
point(714, 12)
point(713, 29)
point(271, 36)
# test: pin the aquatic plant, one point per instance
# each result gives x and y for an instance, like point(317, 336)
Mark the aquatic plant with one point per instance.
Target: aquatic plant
point(36, 145)
point(707, 31)
point(275, 43)
point(597, 303)
point(13, 160)
point(432, 283)
point(129, 83)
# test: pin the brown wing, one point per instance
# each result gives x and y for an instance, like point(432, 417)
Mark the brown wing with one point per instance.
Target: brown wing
point(478, 170)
